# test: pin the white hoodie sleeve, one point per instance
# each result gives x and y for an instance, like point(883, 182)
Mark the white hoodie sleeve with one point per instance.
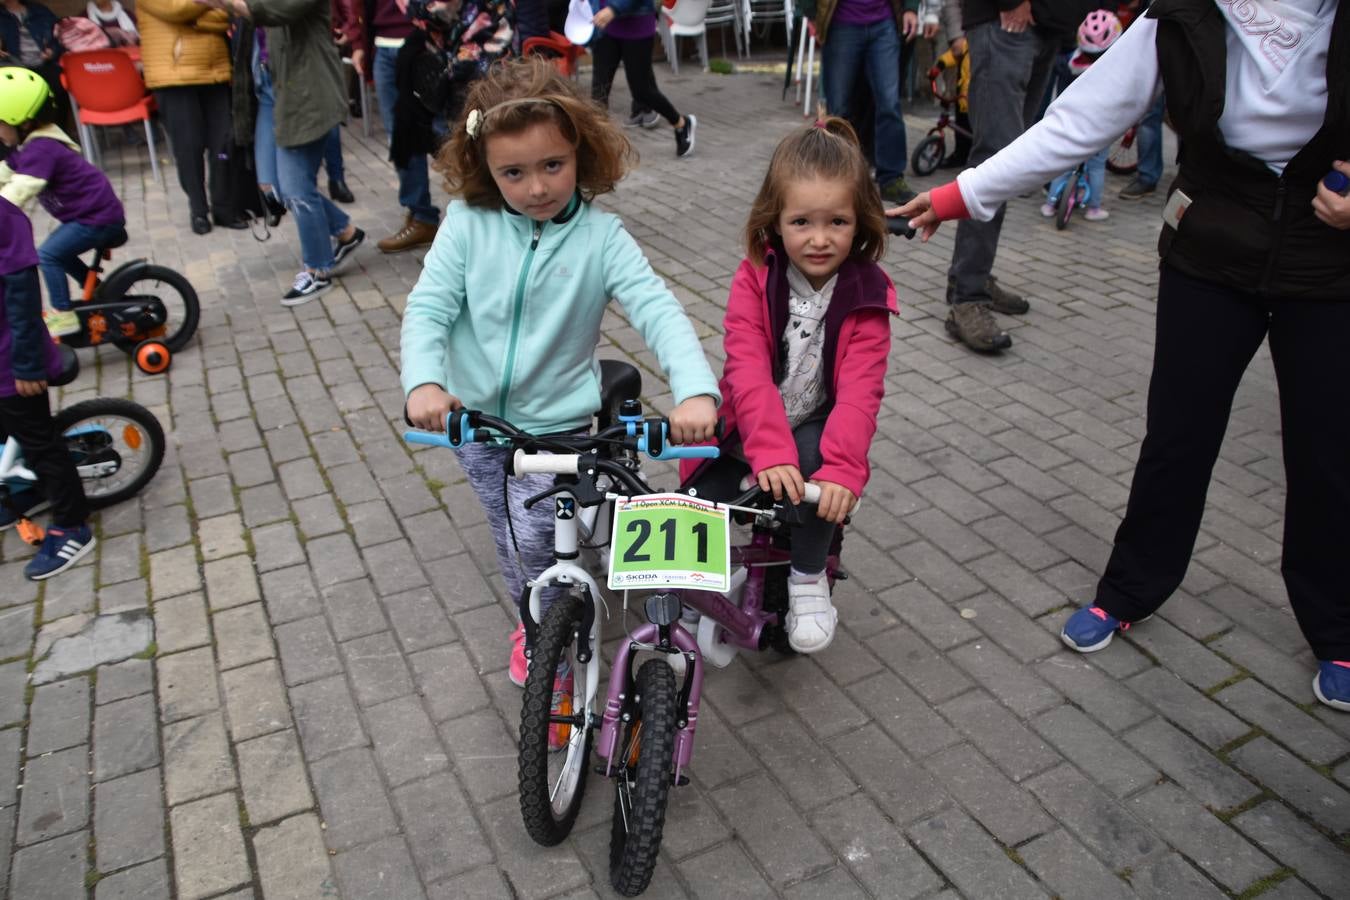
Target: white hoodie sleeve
point(1100, 105)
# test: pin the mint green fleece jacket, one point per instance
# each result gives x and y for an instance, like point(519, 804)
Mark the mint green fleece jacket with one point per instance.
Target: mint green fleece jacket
point(506, 315)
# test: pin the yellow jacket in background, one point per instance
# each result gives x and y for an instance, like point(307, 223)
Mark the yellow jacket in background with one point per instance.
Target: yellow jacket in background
point(183, 43)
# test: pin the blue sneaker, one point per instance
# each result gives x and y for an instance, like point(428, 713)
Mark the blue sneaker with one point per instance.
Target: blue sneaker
point(1091, 628)
point(61, 549)
point(1331, 684)
point(19, 505)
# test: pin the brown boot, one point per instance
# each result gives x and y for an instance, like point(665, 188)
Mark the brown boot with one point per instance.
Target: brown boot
point(1005, 301)
point(413, 234)
point(973, 325)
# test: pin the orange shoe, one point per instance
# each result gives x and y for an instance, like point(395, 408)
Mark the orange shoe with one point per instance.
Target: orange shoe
point(520, 666)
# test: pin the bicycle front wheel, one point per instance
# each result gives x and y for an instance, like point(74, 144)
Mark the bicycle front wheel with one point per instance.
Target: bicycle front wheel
point(928, 155)
point(116, 446)
point(1123, 158)
point(1068, 199)
point(554, 756)
point(643, 785)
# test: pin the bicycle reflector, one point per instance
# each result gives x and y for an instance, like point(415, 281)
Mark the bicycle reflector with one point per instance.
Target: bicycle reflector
point(663, 609)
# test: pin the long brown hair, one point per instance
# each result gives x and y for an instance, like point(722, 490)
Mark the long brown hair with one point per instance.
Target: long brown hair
point(510, 98)
point(827, 150)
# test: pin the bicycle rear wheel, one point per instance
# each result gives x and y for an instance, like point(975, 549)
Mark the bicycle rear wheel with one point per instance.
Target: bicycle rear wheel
point(116, 446)
point(1068, 200)
point(1123, 159)
point(553, 779)
point(643, 785)
point(928, 155)
point(154, 287)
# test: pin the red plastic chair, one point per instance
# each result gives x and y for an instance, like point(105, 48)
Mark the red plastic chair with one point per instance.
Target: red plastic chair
point(562, 52)
point(107, 89)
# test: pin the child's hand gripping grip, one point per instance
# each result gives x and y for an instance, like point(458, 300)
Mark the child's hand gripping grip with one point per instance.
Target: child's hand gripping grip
point(899, 226)
point(458, 432)
point(655, 442)
point(1337, 182)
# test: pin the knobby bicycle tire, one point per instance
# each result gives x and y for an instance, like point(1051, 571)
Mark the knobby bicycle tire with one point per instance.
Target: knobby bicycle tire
point(635, 833)
point(123, 287)
point(1068, 199)
point(544, 824)
point(105, 407)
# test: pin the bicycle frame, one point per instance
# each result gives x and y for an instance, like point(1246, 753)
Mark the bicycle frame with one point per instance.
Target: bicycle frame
point(12, 470)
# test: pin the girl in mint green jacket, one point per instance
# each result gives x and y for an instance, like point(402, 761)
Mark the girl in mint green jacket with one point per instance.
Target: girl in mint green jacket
point(506, 315)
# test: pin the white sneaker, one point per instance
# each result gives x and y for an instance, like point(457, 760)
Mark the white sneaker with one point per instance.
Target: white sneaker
point(811, 616)
point(1096, 214)
point(1048, 209)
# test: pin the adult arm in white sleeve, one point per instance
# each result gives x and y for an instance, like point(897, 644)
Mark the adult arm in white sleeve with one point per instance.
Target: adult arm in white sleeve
point(1097, 108)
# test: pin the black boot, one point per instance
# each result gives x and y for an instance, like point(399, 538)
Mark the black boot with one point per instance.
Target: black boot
point(338, 190)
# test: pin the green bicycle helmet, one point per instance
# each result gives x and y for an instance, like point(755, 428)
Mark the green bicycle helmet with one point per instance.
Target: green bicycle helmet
point(23, 93)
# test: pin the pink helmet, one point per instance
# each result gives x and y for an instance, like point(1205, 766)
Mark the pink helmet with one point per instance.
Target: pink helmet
point(1098, 31)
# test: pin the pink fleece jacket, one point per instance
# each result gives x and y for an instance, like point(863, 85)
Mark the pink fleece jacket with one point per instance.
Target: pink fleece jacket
point(857, 341)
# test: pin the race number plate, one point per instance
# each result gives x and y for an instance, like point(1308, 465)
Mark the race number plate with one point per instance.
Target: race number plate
point(670, 541)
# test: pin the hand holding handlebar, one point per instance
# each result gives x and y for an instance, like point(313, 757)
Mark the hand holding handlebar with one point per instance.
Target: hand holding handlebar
point(917, 214)
point(429, 405)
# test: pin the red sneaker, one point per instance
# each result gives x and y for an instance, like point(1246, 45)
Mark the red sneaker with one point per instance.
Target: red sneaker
point(520, 666)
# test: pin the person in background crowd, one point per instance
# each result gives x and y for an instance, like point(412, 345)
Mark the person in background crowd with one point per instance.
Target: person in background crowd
point(187, 65)
point(1255, 247)
point(862, 37)
point(118, 24)
point(27, 38)
point(342, 11)
point(626, 32)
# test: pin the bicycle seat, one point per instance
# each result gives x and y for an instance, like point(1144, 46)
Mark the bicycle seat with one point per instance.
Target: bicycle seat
point(70, 367)
point(619, 381)
point(117, 241)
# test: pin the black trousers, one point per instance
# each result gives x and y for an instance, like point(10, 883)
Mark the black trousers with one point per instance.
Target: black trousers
point(29, 421)
point(197, 118)
point(1206, 336)
point(721, 480)
point(636, 56)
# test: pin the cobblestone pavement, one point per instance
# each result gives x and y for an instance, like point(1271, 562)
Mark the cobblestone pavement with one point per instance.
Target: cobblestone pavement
point(325, 711)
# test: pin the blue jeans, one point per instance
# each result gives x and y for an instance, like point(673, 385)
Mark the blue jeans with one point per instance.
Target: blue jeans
point(1095, 169)
point(318, 220)
point(265, 135)
point(59, 256)
point(875, 51)
point(1149, 141)
point(414, 184)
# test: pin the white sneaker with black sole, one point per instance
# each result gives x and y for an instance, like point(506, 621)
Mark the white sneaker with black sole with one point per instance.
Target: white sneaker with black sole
point(307, 286)
point(346, 248)
point(684, 137)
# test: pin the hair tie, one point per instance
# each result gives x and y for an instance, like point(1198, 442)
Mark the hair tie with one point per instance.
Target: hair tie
point(474, 123)
point(820, 123)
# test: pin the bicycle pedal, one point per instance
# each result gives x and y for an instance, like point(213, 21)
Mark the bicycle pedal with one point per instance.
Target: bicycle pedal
point(31, 532)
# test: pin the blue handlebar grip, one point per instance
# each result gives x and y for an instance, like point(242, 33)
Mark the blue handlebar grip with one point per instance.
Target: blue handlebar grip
point(673, 452)
point(426, 437)
point(465, 432)
point(1337, 182)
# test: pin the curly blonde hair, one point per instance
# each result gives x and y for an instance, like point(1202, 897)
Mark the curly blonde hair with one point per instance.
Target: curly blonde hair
point(830, 150)
point(513, 96)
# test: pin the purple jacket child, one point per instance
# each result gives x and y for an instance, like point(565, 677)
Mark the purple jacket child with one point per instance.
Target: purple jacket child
point(27, 351)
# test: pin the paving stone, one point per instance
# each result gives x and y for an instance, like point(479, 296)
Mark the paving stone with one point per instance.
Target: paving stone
point(124, 679)
point(1094, 750)
point(1183, 705)
point(128, 820)
point(1208, 842)
point(187, 684)
point(1004, 810)
point(902, 789)
point(458, 582)
point(301, 478)
point(925, 670)
point(1191, 765)
point(485, 631)
point(440, 827)
point(325, 716)
point(724, 872)
point(334, 559)
point(791, 851)
point(55, 796)
point(212, 496)
point(1013, 683)
point(278, 546)
point(834, 883)
point(433, 535)
point(1171, 876)
point(255, 700)
point(1070, 871)
point(904, 714)
point(1297, 730)
point(197, 759)
point(59, 716)
point(532, 870)
point(119, 559)
point(352, 798)
point(125, 739)
point(373, 523)
point(232, 581)
point(353, 611)
point(1307, 790)
point(97, 640)
point(181, 623)
point(692, 823)
point(804, 767)
point(174, 572)
point(1103, 698)
point(128, 596)
point(419, 621)
point(406, 746)
point(208, 848)
point(874, 849)
point(1102, 823)
point(149, 881)
point(975, 864)
point(243, 635)
point(480, 884)
point(290, 595)
point(13, 683)
point(376, 667)
point(393, 567)
point(806, 691)
point(1295, 844)
point(71, 594)
point(307, 650)
point(999, 735)
point(9, 769)
point(264, 503)
point(292, 861)
point(380, 869)
point(53, 870)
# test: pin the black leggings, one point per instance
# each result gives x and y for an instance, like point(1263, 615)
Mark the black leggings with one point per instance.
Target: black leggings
point(198, 121)
point(721, 480)
point(29, 421)
point(1206, 336)
point(636, 56)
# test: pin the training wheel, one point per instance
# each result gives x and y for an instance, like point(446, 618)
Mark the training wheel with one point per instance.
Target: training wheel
point(152, 357)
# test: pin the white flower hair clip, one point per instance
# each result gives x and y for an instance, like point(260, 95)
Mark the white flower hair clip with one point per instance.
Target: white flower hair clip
point(474, 123)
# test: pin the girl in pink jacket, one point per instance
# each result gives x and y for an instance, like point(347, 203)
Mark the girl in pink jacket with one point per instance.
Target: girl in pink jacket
point(808, 333)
